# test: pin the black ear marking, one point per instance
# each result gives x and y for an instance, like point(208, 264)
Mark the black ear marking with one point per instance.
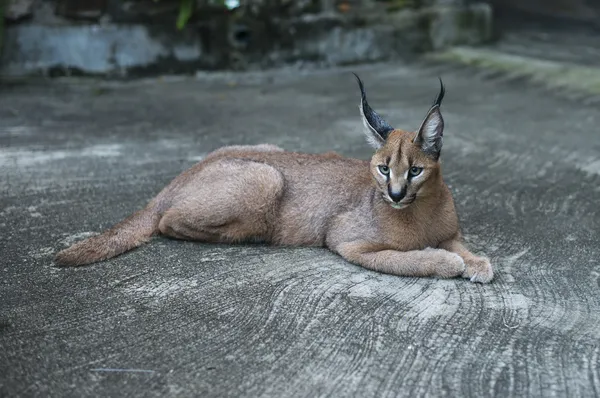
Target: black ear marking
point(440, 96)
point(377, 128)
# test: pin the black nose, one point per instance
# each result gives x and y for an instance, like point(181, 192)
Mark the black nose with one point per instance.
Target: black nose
point(397, 196)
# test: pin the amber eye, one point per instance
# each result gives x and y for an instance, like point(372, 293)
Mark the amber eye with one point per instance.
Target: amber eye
point(383, 169)
point(415, 171)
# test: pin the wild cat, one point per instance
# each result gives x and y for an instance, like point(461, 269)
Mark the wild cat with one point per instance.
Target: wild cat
point(393, 214)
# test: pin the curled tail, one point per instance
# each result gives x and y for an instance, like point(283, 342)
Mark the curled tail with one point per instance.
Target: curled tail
point(126, 235)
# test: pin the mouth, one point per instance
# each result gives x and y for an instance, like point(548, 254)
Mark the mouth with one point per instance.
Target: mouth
point(402, 204)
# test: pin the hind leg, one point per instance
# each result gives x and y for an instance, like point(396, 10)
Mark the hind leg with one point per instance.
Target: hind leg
point(229, 200)
point(174, 228)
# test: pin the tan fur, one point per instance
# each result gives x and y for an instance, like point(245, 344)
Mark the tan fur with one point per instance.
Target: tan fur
point(262, 193)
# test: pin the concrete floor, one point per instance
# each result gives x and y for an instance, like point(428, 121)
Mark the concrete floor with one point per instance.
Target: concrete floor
point(188, 319)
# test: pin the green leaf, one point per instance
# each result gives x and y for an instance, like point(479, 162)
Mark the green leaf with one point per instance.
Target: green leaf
point(186, 7)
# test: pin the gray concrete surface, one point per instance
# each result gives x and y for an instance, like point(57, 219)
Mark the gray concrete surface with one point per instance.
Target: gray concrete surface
point(560, 57)
point(188, 319)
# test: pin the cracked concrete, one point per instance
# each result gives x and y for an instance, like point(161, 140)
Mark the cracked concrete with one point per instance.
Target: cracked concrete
point(191, 319)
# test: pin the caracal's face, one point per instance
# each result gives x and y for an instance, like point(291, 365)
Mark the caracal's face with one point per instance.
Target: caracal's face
point(401, 169)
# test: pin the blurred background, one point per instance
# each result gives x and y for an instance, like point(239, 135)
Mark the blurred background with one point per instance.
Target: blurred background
point(117, 38)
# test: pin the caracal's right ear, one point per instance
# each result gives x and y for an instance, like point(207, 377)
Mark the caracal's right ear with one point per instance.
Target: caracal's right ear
point(376, 129)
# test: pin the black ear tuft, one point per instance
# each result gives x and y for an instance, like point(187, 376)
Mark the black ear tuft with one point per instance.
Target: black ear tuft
point(440, 96)
point(377, 129)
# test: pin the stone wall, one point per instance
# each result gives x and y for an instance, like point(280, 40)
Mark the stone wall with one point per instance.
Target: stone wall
point(138, 37)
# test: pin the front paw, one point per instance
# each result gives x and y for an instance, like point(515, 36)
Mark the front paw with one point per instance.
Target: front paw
point(447, 264)
point(479, 270)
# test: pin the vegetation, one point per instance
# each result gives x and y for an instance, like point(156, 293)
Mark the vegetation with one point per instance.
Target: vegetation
point(187, 8)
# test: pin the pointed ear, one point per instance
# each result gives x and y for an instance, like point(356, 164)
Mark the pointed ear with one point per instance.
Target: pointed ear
point(430, 134)
point(376, 129)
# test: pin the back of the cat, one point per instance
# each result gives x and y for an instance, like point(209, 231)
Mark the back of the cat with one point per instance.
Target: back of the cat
point(236, 194)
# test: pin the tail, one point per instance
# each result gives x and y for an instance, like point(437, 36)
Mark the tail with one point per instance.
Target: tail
point(126, 235)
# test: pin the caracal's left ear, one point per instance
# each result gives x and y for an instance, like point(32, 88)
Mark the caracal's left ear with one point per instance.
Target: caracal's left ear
point(377, 130)
point(430, 134)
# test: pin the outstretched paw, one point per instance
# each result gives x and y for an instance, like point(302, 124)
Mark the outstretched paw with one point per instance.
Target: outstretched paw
point(449, 265)
point(479, 269)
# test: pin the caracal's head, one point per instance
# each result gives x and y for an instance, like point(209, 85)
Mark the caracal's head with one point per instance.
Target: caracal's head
point(406, 164)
